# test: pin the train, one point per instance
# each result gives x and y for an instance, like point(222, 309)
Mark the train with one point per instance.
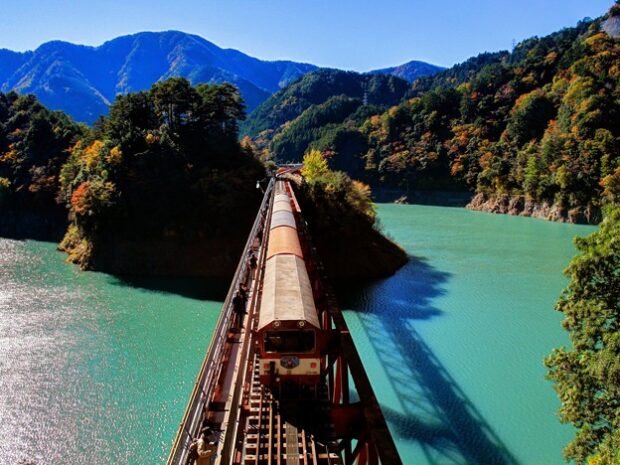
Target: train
point(289, 332)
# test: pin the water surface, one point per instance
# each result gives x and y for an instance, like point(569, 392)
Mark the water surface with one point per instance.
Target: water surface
point(95, 369)
point(92, 370)
point(454, 342)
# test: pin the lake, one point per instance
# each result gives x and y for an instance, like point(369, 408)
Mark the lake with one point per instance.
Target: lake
point(95, 366)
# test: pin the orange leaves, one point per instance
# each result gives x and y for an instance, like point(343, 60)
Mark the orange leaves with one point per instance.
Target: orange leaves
point(457, 167)
point(80, 199)
point(8, 156)
point(551, 57)
point(91, 196)
point(485, 160)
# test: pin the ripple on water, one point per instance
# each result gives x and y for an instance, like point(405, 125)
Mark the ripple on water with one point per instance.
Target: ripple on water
point(90, 367)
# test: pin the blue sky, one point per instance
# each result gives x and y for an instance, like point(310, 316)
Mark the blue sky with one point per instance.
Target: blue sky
point(359, 35)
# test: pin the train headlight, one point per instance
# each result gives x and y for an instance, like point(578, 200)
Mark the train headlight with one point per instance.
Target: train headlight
point(301, 324)
point(276, 324)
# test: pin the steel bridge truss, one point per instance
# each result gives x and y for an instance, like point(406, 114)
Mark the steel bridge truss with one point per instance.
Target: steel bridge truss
point(247, 423)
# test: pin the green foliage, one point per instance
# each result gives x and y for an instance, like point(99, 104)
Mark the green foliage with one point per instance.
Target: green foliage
point(529, 117)
point(541, 122)
point(457, 74)
point(33, 146)
point(316, 88)
point(311, 125)
point(157, 165)
point(349, 201)
point(587, 377)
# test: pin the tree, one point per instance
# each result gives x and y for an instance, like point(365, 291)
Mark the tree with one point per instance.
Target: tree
point(174, 100)
point(165, 162)
point(315, 165)
point(587, 377)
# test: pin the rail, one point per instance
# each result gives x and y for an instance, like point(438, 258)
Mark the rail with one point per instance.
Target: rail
point(207, 377)
point(232, 430)
point(376, 426)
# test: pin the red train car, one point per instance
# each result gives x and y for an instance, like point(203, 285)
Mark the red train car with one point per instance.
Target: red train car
point(289, 332)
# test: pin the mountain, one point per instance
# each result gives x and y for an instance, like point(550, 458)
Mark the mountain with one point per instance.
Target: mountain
point(457, 74)
point(534, 131)
point(83, 80)
point(411, 70)
point(317, 88)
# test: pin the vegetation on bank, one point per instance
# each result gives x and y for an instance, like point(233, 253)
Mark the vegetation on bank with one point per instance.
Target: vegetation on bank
point(160, 186)
point(342, 219)
point(587, 376)
point(165, 167)
point(33, 147)
point(541, 123)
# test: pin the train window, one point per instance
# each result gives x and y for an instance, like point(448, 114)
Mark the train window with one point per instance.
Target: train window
point(289, 341)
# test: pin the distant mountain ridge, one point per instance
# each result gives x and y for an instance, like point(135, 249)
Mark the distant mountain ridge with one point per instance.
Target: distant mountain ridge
point(84, 80)
point(411, 70)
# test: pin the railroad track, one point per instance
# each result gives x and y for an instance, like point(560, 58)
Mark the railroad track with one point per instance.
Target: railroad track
point(282, 430)
point(244, 421)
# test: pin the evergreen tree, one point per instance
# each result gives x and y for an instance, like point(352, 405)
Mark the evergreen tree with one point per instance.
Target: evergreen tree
point(587, 377)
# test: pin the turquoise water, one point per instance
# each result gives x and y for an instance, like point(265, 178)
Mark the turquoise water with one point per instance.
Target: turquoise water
point(91, 370)
point(454, 342)
point(96, 369)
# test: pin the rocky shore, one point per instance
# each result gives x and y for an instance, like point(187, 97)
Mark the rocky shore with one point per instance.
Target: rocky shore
point(518, 205)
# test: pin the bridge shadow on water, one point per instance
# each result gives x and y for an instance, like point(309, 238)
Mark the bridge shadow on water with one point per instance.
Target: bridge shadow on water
point(434, 411)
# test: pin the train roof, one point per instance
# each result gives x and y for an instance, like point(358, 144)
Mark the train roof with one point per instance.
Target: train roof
point(283, 218)
point(283, 240)
point(287, 293)
point(282, 198)
point(280, 205)
point(280, 187)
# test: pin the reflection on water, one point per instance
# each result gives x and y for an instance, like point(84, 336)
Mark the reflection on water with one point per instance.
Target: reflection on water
point(90, 369)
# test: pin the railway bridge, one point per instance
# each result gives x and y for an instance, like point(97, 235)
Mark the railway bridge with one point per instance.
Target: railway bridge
point(234, 418)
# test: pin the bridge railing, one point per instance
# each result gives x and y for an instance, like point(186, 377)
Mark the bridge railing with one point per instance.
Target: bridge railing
point(206, 381)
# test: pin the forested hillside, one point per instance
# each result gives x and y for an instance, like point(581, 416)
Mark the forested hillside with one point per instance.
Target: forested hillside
point(534, 132)
point(271, 120)
point(33, 147)
point(162, 185)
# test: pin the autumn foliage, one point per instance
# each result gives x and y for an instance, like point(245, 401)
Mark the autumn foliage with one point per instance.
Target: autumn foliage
point(160, 166)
